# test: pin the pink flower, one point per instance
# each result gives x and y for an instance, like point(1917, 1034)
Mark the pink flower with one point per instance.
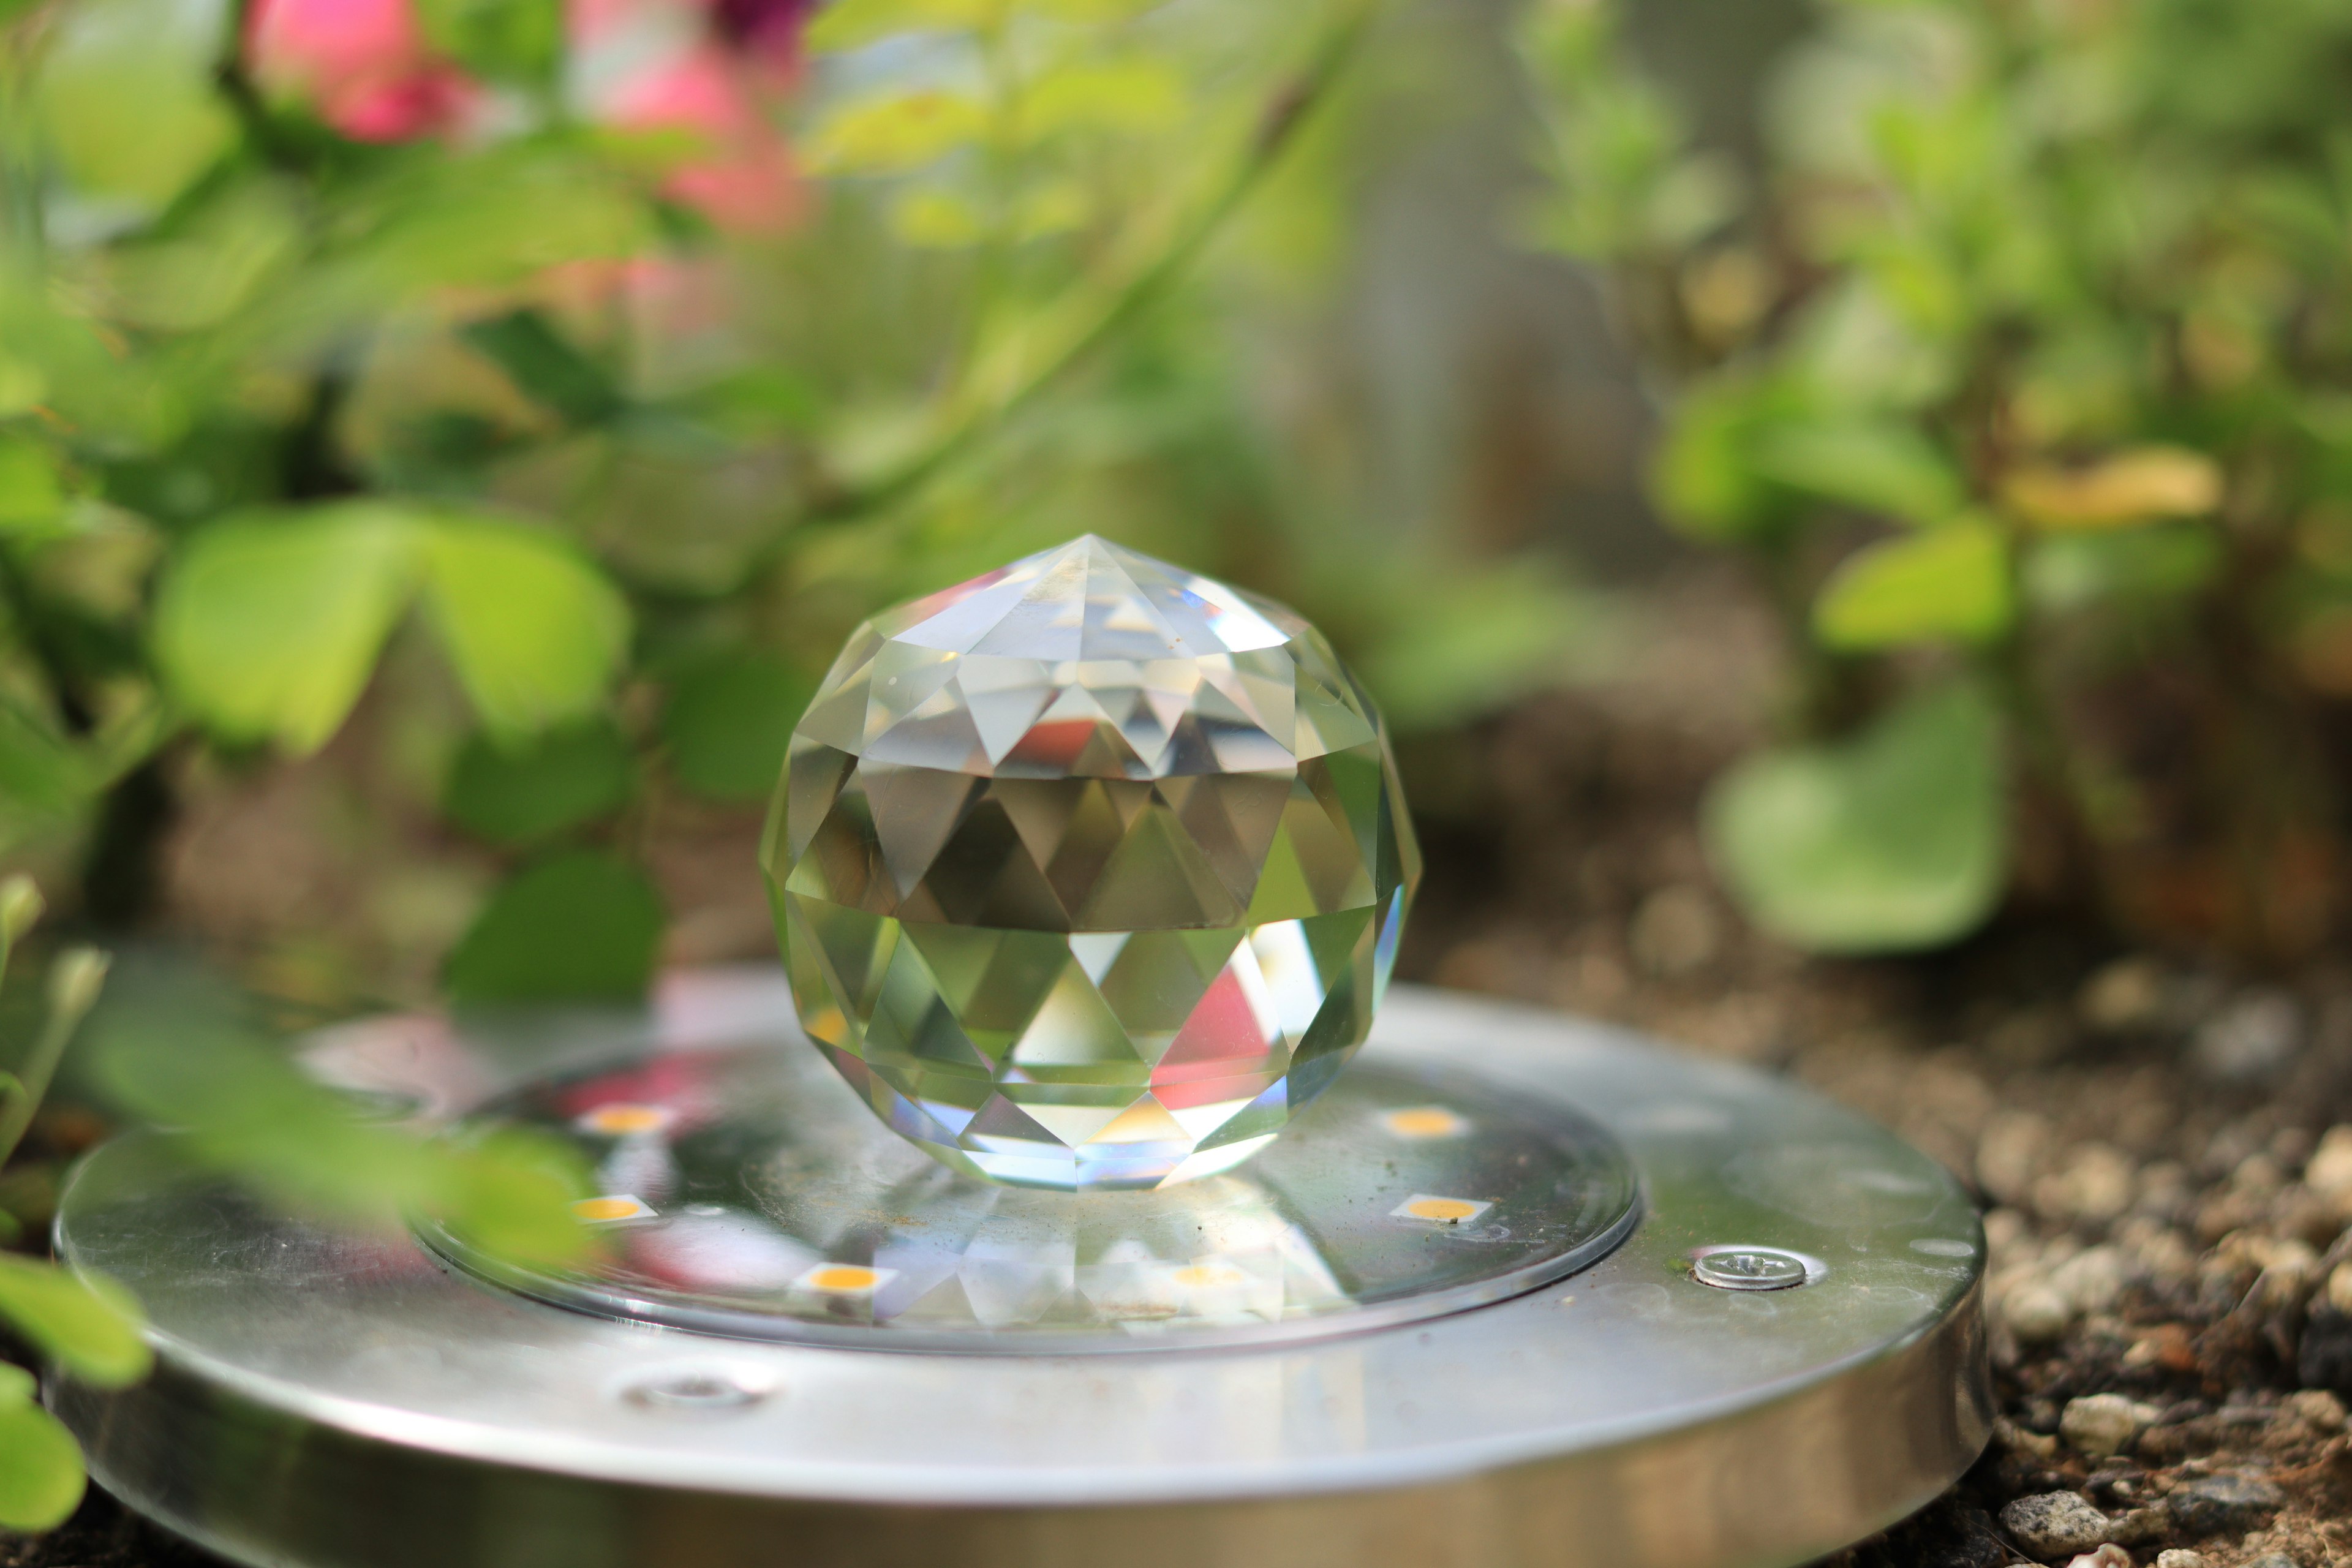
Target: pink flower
point(767, 31)
point(709, 68)
point(362, 64)
point(742, 177)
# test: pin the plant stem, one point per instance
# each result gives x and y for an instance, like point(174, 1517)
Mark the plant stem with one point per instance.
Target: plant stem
point(73, 987)
point(1278, 128)
point(21, 215)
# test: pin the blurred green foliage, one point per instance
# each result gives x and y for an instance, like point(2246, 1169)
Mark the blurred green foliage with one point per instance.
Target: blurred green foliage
point(2017, 366)
point(181, 1055)
point(600, 392)
point(84, 1325)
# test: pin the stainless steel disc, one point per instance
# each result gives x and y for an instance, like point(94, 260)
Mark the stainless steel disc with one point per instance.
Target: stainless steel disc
point(1781, 1356)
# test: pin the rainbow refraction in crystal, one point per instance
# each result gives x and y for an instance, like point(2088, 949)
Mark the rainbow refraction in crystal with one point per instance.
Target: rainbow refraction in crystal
point(1091, 870)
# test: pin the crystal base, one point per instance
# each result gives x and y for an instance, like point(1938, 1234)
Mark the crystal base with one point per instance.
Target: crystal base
point(744, 1193)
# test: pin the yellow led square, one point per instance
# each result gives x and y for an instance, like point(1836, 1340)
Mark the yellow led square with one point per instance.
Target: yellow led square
point(615, 1208)
point(1425, 1121)
point(845, 1279)
point(1208, 1276)
point(626, 1121)
point(1433, 1208)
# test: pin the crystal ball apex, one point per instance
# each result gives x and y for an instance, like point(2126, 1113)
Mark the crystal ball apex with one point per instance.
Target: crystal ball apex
point(1089, 871)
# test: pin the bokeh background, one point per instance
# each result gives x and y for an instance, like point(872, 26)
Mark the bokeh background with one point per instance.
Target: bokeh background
point(1847, 508)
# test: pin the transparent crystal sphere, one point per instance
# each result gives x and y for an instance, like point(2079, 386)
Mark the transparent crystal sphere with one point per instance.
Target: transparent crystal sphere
point(1089, 871)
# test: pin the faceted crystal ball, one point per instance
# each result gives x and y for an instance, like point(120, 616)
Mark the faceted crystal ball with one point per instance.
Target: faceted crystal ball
point(1089, 871)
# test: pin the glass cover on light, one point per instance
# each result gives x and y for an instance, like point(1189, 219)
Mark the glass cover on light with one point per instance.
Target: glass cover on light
point(739, 1192)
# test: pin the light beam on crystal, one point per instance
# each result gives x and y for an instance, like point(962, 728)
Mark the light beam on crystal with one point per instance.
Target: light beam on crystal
point(1089, 871)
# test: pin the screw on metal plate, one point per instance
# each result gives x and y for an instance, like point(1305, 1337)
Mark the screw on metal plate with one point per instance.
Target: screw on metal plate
point(694, 1389)
point(1750, 1269)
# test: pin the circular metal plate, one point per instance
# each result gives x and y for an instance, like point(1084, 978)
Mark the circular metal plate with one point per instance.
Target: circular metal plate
point(328, 1398)
point(747, 1193)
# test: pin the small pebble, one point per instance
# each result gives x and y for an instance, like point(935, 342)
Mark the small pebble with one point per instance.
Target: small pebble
point(2127, 993)
point(2107, 1556)
point(2211, 1505)
point(2035, 1312)
point(2054, 1523)
point(2092, 1279)
point(2100, 1426)
point(2275, 1560)
point(2096, 1183)
point(2180, 1557)
point(2252, 1040)
point(2318, 1409)
point(2324, 1358)
point(2329, 1171)
point(2010, 1151)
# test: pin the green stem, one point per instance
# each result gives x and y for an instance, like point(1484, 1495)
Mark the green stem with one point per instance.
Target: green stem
point(2048, 752)
point(73, 987)
point(20, 172)
point(1277, 129)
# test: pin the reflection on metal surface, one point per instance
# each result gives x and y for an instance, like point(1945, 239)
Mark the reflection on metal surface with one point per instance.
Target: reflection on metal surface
point(330, 1399)
point(747, 1195)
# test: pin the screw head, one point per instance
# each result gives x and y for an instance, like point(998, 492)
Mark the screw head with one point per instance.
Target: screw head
point(1750, 1269)
point(695, 1389)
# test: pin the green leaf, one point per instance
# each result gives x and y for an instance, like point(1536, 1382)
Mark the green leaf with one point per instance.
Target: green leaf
point(41, 1479)
point(1472, 643)
point(1950, 581)
point(85, 1323)
point(548, 367)
point(852, 24)
point(1704, 476)
point(582, 926)
point(30, 493)
point(513, 40)
point(755, 402)
point(510, 1193)
point(535, 630)
point(2065, 572)
point(938, 220)
point(1877, 466)
point(212, 265)
point(560, 779)
point(266, 626)
point(1134, 94)
point(125, 95)
point(486, 220)
point(729, 721)
point(179, 1054)
point(42, 776)
point(893, 132)
point(1891, 841)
